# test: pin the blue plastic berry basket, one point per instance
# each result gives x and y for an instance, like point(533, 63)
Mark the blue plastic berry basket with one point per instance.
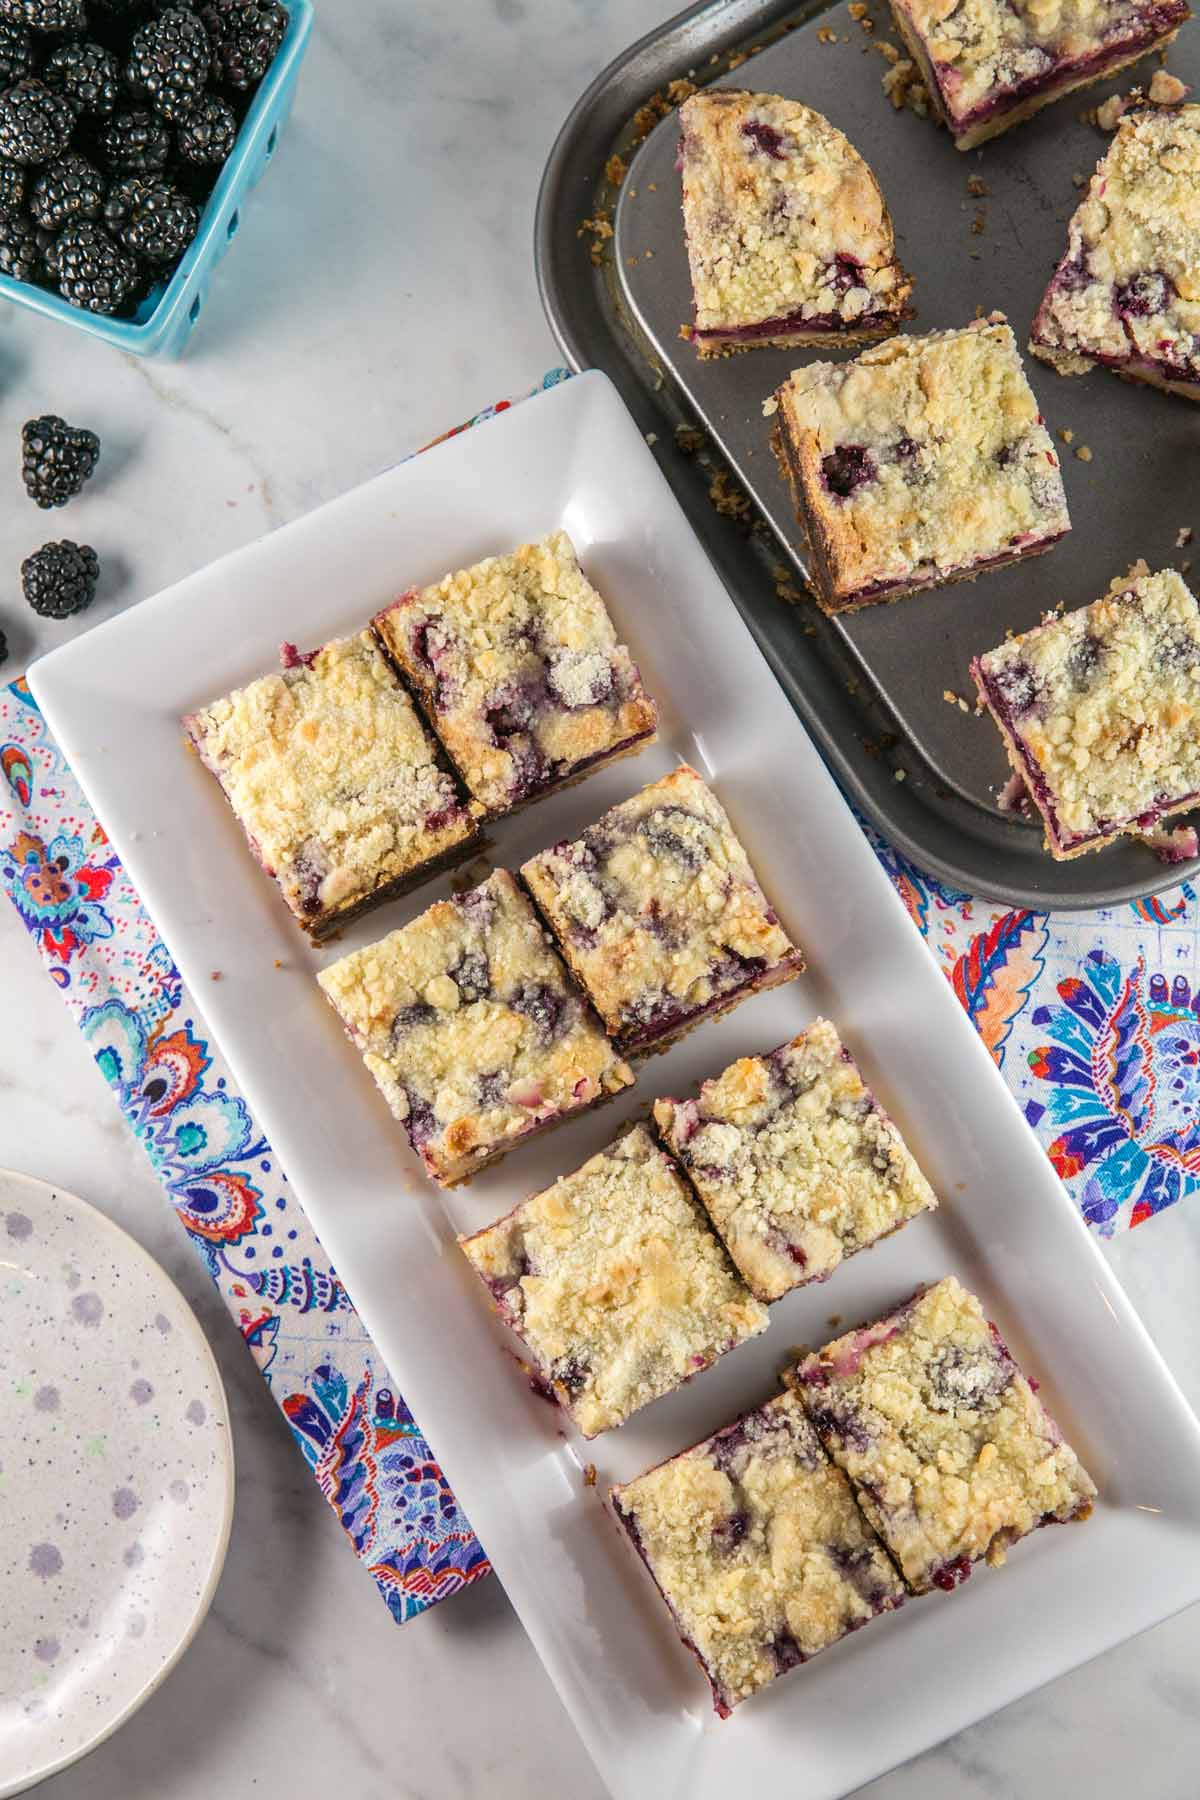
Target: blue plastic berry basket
point(167, 317)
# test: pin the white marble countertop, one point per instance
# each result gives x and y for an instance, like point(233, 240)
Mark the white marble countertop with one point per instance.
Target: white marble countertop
point(381, 290)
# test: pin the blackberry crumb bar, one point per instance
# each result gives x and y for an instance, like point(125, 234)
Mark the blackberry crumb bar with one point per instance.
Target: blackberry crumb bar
point(988, 64)
point(335, 781)
point(614, 1283)
point(952, 1455)
point(788, 236)
point(472, 1029)
point(1126, 295)
point(520, 673)
point(795, 1161)
point(755, 1542)
point(1100, 711)
point(659, 915)
point(923, 460)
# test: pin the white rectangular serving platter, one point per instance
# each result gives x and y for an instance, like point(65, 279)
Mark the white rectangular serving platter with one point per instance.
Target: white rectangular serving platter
point(573, 458)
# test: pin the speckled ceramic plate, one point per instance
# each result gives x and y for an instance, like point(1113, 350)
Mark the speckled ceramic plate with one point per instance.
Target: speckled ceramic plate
point(116, 1478)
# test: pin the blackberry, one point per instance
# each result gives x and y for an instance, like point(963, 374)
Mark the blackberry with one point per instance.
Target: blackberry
point(244, 34)
point(16, 52)
point(209, 132)
point(68, 189)
point(60, 579)
point(153, 220)
point(169, 62)
point(13, 181)
point(20, 249)
point(90, 269)
point(87, 74)
point(135, 143)
point(45, 15)
point(35, 125)
point(56, 459)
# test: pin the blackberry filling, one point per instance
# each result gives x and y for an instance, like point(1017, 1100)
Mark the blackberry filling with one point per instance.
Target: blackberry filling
point(1148, 294)
point(847, 468)
point(765, 138)
point(546, 1009)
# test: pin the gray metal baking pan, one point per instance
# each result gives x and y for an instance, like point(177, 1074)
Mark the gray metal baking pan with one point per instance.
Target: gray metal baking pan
point(870, 687)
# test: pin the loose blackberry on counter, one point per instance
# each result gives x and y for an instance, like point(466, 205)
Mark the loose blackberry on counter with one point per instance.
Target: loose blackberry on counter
point(244, 34)
point(92, 270)
point(16, 52)
point(70, 188)
point(59, 580)
point(169, 62)
point(135, 143)
point(20, 249)
point(150, 218)
point(35, 124)
point(209, 132)
point(45, 15)
point(86, 73)
point(56, 459)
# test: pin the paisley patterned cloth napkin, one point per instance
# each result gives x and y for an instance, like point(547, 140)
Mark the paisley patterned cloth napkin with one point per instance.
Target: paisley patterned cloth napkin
point(1094, 1019)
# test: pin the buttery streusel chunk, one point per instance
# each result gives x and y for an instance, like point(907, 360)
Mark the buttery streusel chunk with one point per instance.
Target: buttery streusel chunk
point(921, 461)
point(951, 1453)
point(988, 64)
point(519, 669)
point(615, 1283)
point(658, 912)
point(756, 1544)
point(1126, 295)
point(472, 1028)
point(1100, 711)
point(788, 236)
point(797, 1164)
point(334, 780)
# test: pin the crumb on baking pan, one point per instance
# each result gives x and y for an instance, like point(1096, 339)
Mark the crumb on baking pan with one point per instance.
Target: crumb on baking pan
point(690, 439)
point(1183, 536)
point(1066, 434)
point(977, 187)
point(1166, 89)
point(659, 105)
point(1084, 453)
point(616, 169)
point(589, 1474)
point(728, 498)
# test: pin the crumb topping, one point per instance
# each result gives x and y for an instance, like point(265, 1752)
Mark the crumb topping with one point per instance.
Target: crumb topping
point(1100, 709)
point(658, 911)
point(784, 220)
point(980, 49)
point(797, 1164)
point(518, 664)
point(1128, 287)
point(332, 776)
point(615, 1283)
point(952, 1454)
point(474, 1033)
point(920, 458)
point(758, 1548)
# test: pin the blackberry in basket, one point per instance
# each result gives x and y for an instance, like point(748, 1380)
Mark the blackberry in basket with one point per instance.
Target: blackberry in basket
point(150, 218)
point(35, 124)
point(87, 74)
point(13, 183)
point(56, 459)
point(91, 270)
point(169, 62)
point(45, 15)
point(60, 579)
point(16, 52)
point(209, 132)
point(68, 189)
point(20, 249)
point(244, 34)
point(135, 143)
point(3, 648)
